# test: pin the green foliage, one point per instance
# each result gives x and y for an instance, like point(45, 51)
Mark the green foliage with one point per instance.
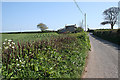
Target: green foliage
point(42, 26)
point(62, 56)
point(109, 34)
point(79, 29)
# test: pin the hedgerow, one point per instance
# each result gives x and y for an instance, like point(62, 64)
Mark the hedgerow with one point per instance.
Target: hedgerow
point(109, 34)
point(59, 57)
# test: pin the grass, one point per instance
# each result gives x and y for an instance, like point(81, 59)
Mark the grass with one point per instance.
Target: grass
point(44, 55)
point(28, 36)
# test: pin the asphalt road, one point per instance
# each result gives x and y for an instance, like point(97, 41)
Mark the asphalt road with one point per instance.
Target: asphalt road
point(103, 59)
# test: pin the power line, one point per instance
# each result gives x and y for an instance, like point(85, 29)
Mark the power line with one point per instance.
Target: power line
point(78, 7)
point(84, 14)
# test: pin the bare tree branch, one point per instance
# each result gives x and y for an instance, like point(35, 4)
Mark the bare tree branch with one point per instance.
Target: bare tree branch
point(111, 16)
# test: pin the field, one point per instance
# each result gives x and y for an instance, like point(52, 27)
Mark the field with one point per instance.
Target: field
point(28, 36)
point(44, 55)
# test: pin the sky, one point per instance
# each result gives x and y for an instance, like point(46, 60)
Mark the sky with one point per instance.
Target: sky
point(24, 16)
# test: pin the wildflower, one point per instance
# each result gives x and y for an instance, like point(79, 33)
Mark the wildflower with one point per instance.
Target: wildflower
point(17, 59)
point(6, 47)
point(13, 47)
point(18, 64)
point(22, 65)
point(13, 43)
point(4, 43)
point(10, 45)
point(5, 39)
point(19, 69)
point(73, 62)
point(9, 40)
point(20, 60)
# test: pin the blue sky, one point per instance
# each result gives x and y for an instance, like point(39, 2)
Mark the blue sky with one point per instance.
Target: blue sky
point(24, 16)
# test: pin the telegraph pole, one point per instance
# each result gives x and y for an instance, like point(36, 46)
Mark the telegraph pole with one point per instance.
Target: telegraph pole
point(84, 14)
point(119, 16)
point(85, 21)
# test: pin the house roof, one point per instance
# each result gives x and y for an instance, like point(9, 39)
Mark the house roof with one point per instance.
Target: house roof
point(70, 26)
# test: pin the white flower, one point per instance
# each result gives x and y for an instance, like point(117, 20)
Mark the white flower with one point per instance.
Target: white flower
point(73, 62)
point(6, 47)
point(20, 60)
point(9, 40)
point(13, 43)
point(10, 45)
point(13, 47)
point(19, 69)
point(17, 59)
point(18, 64)
point(4, 43)
point(22, 65)
point(5, 39)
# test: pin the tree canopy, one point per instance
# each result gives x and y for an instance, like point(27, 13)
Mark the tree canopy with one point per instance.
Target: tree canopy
point(111, 16)
point(42, 26)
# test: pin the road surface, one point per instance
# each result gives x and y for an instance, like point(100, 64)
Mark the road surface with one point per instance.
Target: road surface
point(103, 59)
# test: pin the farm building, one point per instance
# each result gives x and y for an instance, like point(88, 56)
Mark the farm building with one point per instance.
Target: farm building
point(68, 28)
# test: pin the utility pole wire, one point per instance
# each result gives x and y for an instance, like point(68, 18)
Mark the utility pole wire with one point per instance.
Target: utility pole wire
point(84, 14)
point(78, 7)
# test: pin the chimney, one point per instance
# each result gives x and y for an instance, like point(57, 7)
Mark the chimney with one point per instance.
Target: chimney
point(75, 25)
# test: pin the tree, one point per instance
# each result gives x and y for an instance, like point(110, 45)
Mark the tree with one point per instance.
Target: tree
point(79, 29)
point(42, 26)
point(111, 16)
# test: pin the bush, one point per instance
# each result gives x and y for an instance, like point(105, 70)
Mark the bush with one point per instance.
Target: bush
point(79, 29)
